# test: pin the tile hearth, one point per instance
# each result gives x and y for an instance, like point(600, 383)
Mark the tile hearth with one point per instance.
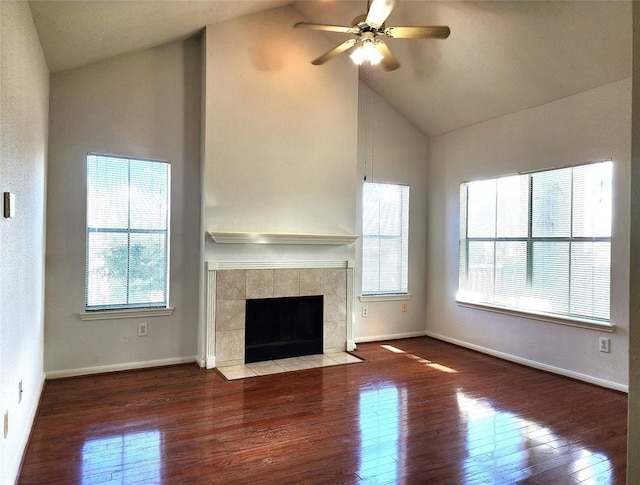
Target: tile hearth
point(233, 372)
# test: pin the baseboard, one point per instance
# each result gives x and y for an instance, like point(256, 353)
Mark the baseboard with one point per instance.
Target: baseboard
point(58, 374)
point(532, 363)
point(33, 413)
point(391, 336)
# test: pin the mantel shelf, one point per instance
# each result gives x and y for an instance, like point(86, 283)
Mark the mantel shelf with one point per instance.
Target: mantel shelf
point(258, 238)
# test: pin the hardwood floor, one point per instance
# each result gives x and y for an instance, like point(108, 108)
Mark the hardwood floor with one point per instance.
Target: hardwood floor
point(433, 414)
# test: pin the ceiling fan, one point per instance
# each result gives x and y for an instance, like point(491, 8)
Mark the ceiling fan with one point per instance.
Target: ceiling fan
point(367, 28)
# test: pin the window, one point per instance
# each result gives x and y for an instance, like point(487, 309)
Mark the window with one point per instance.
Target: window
point(127, 233)
point(539, 242)
point(385, 234)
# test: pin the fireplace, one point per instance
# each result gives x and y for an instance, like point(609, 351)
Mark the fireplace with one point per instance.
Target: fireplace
point(230, 285)
point(277, 328)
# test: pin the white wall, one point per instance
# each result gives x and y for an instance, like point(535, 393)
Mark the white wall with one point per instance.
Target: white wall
point(145, 104)
point(590, 126)
point(633, 436)
point(284, 153)
point(281, 137)
point(279, 140)
point(24, 92)
point(392, 150)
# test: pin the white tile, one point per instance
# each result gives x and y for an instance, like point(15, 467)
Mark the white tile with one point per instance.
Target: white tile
point(344, 357)
point(265, 368)
point(236, 372)
point(280, 366)
point(318, 360)
point(295, 363)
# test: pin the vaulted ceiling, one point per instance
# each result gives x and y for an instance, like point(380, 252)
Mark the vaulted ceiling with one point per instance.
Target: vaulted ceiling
point(501, 57)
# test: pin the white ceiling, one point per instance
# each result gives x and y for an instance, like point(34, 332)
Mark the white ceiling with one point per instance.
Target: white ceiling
point(501, 57)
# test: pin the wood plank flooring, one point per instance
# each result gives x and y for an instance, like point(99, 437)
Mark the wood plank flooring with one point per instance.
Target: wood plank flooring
point(419, 411)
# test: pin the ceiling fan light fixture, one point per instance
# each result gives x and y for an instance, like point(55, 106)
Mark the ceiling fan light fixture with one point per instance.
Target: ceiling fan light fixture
point(366, 52)
point(368, 29)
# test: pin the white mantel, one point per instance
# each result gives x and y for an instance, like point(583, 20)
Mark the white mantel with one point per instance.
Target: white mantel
point(281, 238)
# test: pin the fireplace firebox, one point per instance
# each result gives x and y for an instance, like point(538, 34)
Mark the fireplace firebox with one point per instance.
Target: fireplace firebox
point(278, 328)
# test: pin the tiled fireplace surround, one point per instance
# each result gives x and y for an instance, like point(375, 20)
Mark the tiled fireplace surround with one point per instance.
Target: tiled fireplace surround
point(230, 284)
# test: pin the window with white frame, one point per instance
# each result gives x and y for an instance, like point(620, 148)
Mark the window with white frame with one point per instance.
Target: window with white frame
point(385, 239)
point(127, 233)
point(539, 242)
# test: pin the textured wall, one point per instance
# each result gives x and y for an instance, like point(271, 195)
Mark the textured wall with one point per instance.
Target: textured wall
point(24, 92)
point(281, 137)
point(587, 127)
point(392, 150)
point(147, 105)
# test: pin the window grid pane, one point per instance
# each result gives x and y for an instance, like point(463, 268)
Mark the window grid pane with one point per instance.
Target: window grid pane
point(385, 222)
point(481, 221)
point(550, 279)
point(510, 272)
point(107, 268)
point(481, 270)
point(127, 233)
point(551, 211)
point(550, 251)
point(590, 279)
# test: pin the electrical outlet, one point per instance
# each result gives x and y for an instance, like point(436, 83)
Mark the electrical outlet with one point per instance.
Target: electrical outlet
point(604, 345)
point(403, 307)
point(19, 392)
point(142, 329)
point(6, 423)
point(365, 311)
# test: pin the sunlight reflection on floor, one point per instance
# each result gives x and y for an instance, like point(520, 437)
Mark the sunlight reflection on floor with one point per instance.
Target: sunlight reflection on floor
point(503, 447)
point(123, 457)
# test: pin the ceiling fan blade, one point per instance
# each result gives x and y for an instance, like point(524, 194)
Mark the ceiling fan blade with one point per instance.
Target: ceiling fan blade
point(327, 56)
point(389, 61)
point(378, 12)
point(435, 32)
point(327, 28)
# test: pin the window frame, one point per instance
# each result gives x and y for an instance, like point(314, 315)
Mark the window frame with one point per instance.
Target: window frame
point(403, 267)
point(554, 317)
point(128, 309)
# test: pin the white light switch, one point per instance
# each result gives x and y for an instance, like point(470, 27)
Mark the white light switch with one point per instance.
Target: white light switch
point(9, 205)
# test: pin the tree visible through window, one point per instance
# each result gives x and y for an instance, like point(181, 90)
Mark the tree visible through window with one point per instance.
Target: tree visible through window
point(385, 234)
point(127, 233)
point(539, 242)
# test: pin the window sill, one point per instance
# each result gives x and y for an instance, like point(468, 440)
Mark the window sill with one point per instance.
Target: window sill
point(573, 322)
point(396, 297)
point(130, 313)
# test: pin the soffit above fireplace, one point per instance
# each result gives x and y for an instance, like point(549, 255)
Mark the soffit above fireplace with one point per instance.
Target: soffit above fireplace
point(261, 238)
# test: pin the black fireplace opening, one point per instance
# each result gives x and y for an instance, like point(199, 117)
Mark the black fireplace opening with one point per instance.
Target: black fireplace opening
point(278, 328)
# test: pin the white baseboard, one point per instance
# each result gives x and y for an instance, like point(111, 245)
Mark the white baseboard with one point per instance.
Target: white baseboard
point(57, 374)
point(391, 336)
point(532, 363)
point(14, 470)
